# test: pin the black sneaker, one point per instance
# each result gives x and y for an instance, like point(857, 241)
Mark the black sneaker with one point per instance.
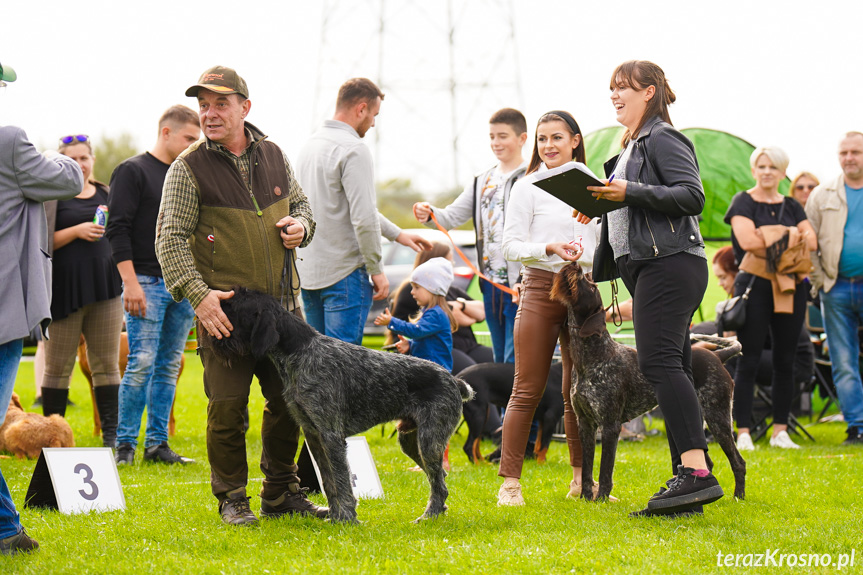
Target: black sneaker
point(125, 454)
point(163, 454)
point(686, 491)
point(18, 543)
point(494, 456)
point(292, 502)
point(855, 436)
point(235, 510)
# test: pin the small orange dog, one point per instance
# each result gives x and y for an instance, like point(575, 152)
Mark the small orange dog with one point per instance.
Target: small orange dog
point(25, 434)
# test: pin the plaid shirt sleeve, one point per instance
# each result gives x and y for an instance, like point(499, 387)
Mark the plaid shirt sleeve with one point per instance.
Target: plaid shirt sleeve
point(178, 217)
point(300, 207)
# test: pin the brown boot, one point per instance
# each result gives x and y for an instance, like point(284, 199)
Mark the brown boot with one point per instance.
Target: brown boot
point(293, 501)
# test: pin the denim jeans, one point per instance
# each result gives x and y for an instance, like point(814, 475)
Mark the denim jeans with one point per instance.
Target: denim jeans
point(10, 356)
point(842, 308)
point(500, 318)
point(156, 344)
point(340, 310)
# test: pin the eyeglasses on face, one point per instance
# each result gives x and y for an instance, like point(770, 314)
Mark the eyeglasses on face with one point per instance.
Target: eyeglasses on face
point(801, 187)
point(76, 138)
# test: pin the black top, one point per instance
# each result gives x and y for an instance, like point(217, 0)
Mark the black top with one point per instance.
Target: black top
point(136, 192)
point(762, 214)
point(84, 272)
point(405, 307)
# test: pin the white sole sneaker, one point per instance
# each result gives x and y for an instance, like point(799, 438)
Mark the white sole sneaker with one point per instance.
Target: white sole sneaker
point(510, 495)
point(744, 442)
point(783, 441)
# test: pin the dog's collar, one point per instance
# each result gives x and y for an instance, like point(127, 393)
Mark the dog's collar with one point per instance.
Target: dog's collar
point(593, 325)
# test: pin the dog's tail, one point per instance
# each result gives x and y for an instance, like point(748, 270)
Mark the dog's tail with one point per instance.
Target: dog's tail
point(723, 347)
point(466, 391)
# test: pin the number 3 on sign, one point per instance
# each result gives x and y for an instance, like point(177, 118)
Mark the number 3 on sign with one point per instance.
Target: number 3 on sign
point(85, 479)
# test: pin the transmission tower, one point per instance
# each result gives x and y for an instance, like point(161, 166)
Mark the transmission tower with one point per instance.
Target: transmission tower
point(445, 67)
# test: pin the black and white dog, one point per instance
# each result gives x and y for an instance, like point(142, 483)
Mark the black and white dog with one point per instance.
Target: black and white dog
point(608, 388)
point(336, 389)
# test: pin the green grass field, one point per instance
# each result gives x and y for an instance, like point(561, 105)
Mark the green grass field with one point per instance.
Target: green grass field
point(798, 502)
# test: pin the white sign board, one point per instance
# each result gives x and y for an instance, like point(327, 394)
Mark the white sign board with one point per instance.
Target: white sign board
point(365, 482)
point(364, 474)
point(85, 479)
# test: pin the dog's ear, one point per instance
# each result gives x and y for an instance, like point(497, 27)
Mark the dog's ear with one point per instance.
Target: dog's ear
point(593, 325)
point(589, 277)
point(264, 334)
point(564, 285)
point(16, 401)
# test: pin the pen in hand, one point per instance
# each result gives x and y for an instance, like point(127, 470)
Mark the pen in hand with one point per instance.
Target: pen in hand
point(606, 185)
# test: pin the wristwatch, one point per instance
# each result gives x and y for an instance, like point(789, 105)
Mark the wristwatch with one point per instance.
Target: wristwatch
point(462, 301)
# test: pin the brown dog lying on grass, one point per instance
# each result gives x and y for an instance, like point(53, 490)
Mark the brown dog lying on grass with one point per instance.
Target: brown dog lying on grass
point(25, 434)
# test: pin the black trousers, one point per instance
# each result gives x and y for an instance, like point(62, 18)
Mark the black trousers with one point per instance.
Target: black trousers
point(666, 292)
point(784, 329)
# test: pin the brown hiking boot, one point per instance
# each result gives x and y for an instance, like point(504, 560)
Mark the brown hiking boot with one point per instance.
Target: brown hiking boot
point(18, 543)
point(293, 501)
point(235, 510)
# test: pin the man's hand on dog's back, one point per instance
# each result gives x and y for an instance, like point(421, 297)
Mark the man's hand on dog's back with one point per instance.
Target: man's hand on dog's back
point(211, 316)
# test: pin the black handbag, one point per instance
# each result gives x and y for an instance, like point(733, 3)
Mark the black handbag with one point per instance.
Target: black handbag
point(732, 316)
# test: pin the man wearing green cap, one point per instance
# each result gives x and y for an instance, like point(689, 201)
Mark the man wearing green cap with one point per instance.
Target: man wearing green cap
point(232, 213)
point(27, 178)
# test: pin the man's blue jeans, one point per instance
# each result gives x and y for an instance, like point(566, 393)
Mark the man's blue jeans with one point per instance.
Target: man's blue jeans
point(340, 311)
point(10, 356)
point(156, 344)
point(500, 318)
point(842, 309)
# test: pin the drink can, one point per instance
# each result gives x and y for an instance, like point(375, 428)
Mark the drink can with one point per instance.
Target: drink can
point(101, 216)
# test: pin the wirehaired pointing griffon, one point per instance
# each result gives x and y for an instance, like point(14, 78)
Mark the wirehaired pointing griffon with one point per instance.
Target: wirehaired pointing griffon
point(336, 389)
point(608, 388)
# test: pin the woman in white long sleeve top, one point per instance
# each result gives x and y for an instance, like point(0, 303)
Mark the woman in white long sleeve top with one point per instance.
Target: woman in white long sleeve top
point(541, 233)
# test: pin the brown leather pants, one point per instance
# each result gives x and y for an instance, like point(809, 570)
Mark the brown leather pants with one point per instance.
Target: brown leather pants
point(538, 324)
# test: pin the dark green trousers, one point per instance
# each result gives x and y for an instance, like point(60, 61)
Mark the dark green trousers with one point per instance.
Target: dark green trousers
point(227, 388)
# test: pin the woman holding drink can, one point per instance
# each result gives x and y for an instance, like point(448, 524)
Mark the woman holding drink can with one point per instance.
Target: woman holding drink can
point(541, 233)
point(86, 295)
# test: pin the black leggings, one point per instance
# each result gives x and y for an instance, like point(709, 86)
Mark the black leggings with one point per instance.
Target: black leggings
point(784, 332)
point(665, 293)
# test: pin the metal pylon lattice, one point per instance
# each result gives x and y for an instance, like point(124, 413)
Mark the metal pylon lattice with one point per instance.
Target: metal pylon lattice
point(445, 67)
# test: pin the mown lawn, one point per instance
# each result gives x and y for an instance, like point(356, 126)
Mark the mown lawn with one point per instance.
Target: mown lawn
point(798, 502)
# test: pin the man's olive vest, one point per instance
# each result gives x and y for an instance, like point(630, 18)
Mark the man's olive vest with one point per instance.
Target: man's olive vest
point(236, 241)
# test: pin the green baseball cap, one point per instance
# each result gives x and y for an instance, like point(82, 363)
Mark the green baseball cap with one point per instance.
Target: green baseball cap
point(7, 74)
point(221, 80)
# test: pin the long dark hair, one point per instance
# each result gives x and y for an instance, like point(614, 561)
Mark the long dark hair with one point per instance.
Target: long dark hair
point(639, 75)
point(572, 126)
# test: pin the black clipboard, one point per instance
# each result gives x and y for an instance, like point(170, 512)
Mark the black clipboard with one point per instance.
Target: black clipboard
point(569, 182)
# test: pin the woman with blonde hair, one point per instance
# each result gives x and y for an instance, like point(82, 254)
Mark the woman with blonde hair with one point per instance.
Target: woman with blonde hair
point(86, 296)
point(802, 186)
point(749, 211)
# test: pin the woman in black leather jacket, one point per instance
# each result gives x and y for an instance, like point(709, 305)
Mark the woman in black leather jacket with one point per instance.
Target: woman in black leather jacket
point(653, 243)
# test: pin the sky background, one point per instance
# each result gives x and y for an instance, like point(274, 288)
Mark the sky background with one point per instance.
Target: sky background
point(788, 73)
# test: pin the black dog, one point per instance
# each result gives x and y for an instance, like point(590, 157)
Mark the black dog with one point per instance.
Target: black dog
point(608, 388)
point(492, 383)
point(336, 389)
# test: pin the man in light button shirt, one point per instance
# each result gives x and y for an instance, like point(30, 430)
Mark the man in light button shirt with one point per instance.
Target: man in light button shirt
point(342, 271)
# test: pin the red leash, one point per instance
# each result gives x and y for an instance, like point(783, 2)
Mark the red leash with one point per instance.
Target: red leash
point(503, 288)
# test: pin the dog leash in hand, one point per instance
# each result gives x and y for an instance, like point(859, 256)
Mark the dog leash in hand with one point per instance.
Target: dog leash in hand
point(288, 275)
point(501, 287)
point(615, 316)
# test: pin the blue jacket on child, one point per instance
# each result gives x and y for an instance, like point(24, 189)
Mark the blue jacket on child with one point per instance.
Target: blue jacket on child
point(431, 336)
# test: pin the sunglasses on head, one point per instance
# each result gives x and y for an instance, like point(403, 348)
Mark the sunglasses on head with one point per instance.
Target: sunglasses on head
point(804, 187)
point(77, 138)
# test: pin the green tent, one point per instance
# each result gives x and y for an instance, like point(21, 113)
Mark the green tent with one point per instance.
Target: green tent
point(722, 158)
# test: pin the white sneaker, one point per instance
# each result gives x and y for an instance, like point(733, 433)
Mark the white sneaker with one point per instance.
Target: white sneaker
point(744, 442)
point(783, 440)
point(510, 495)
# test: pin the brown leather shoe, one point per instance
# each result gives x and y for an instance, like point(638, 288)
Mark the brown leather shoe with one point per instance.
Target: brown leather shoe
point(293, 501)
point(18, 543)
point(235, 510)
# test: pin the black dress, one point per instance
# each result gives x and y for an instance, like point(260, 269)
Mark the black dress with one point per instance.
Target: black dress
point(84, 272)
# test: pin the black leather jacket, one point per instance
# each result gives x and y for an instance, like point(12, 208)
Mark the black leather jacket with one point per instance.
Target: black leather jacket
point(664, 195)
